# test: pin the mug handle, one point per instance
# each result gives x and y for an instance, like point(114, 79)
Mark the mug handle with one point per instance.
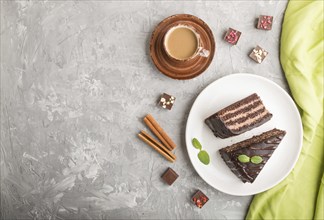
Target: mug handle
point(203, 52)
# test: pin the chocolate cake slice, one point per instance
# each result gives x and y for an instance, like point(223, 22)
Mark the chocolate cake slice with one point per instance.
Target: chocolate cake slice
point(239, 117)
point(247, 158)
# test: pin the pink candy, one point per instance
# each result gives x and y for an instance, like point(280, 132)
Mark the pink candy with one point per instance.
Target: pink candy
point(265, 22)
point(232, 36)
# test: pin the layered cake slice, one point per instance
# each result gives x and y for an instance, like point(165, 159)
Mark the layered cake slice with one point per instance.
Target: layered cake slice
point(247, 158)
point(239, 117)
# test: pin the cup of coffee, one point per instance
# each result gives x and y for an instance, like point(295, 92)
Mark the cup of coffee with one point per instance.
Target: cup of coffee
point(183, 43)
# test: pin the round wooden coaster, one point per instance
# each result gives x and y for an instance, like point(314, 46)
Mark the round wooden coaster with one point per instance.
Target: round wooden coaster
point(181, 69)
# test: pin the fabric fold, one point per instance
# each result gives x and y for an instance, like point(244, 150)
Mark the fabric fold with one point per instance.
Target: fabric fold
point(300, 195)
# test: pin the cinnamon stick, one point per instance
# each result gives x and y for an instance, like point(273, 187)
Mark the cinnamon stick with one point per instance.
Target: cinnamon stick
point(159, 132)
point(157, 143)
point(156, 146)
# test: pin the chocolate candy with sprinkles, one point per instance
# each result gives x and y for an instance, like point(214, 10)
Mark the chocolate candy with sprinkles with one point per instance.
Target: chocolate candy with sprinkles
point(199, 199)
point(258, 54)
point(167, 101)
point(232, 36)
point(265, 22)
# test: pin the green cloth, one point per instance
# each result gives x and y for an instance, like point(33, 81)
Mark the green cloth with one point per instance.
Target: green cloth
point(300, 195)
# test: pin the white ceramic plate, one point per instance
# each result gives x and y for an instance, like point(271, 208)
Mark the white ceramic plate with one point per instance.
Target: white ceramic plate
point(222, 93)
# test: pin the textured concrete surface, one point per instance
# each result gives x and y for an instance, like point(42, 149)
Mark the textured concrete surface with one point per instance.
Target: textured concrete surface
point(76, 80)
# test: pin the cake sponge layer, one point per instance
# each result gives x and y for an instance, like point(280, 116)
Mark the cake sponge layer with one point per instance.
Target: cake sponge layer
point(239, 117)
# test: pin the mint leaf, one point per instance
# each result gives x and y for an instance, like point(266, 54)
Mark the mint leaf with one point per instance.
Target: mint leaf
point(243, 158)
point(256, 159)
point(204, 157)
point(196, 144)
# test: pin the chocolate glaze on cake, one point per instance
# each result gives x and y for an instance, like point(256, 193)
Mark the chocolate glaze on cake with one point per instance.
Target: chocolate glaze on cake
point(262, 145)
point(239, 117)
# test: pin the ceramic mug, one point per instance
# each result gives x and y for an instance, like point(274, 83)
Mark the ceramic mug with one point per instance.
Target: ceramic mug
point(183, 43)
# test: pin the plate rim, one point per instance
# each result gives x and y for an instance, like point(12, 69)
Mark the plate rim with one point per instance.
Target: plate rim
point(300, 128)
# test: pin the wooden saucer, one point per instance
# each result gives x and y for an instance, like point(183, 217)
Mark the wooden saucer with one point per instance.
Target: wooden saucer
point(181, 69)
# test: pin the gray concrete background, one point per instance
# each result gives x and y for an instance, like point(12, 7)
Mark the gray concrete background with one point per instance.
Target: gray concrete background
point(76, 80)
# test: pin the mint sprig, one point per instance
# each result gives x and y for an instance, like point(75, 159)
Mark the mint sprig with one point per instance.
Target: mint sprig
point(196, 144)
point(203, 156)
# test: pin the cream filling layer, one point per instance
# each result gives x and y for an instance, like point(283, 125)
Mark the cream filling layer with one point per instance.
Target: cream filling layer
point(248, 121)
point(242, 115)
point(239, 108)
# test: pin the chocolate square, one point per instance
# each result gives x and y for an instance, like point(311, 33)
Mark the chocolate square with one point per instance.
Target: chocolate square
point(169, 176)
point(265, 22)
point(167, 101)
point(232, 36)
point(200, 199)
point(258, 54)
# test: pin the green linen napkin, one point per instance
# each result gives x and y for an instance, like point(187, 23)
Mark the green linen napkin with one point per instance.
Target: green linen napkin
point(300, 195)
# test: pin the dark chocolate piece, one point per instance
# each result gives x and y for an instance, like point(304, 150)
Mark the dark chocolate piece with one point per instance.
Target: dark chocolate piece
point(232, 36)
point(265, 22)
point(166, 101)
point(247, 158)
point(170, 176)
point(239, 117)
point(258, 54)
point(200, 199)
